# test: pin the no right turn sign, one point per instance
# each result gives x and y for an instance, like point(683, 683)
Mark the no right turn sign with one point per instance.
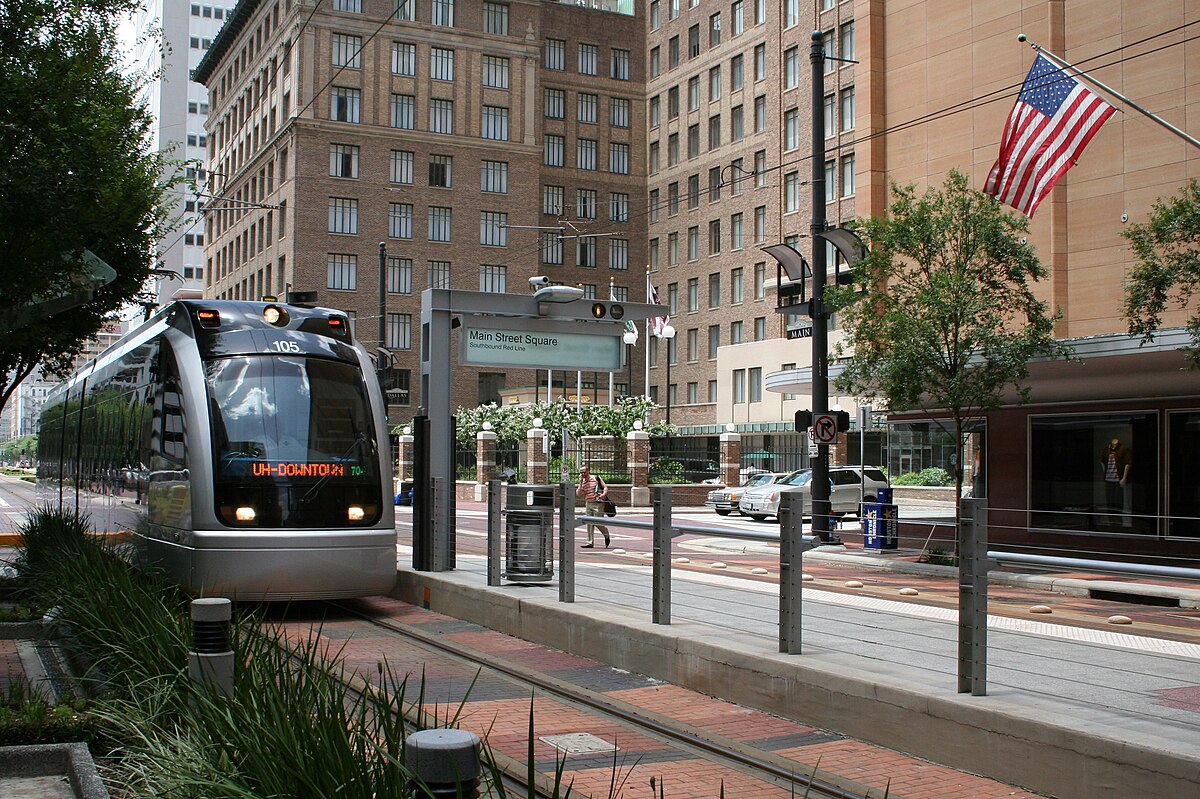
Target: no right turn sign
point(824, 429)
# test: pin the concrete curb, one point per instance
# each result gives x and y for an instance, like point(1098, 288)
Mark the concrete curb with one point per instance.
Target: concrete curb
point(72, 761)
point(1025, 743)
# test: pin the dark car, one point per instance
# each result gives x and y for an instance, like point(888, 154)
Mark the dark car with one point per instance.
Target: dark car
point(404, 492)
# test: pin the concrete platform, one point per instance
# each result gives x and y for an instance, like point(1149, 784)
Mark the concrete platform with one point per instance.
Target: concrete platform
point(1055, 744)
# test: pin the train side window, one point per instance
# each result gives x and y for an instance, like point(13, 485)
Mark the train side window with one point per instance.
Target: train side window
point(171, 427)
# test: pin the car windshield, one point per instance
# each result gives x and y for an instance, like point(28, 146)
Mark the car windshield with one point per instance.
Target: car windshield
point(800, 478)
point(759, 480)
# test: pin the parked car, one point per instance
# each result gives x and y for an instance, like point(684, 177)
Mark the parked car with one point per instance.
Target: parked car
point(846, 493)
point(404, 492)
point(725, 500)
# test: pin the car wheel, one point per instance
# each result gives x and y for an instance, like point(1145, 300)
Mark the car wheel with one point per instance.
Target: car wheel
point(722, 513)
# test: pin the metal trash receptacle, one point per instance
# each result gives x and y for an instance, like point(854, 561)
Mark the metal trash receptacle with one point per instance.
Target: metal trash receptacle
point(880, 526)
point(528, 533)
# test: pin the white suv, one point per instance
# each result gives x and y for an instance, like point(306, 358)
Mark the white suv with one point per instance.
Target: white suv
point(848, 487)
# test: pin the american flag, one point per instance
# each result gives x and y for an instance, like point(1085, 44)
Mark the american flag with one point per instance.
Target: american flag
point(1052, 122)
point(658, 323)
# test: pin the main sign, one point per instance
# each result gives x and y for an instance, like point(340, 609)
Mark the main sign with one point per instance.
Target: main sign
point(544, 345)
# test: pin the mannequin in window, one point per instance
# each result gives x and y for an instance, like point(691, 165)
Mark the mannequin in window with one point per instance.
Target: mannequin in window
point(1117, 462)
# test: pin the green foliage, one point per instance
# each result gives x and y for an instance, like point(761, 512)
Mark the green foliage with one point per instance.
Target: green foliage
point(933, 476)
point(512, 423)
point(76, 174)
point(665, 470)
point(17, 448)
point(951, 319)
point(1167, 272)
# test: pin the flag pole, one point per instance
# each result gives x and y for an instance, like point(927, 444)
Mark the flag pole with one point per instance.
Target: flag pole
point(646, 357)
point(1080, 73)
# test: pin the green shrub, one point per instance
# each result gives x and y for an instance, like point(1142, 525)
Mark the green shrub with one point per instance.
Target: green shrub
point(933, 476)
point(665, 470)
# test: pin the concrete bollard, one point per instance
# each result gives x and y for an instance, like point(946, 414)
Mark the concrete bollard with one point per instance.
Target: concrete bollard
point(444, 763)
point(211, 659)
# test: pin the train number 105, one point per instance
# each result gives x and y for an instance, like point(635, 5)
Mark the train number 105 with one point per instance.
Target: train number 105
point(285, 346)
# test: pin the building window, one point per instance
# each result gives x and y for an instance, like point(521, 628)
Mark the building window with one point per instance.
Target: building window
point(791, 68)
point(343, 160)
point(618, 112)
point(552, 251)
point(342, 272)
point(760, 328)
point(714, 290)
point(760, 280)
point(585, 251)
point(828, 112)
point(655, 62)
point(827, 49)
point(618, 158)
point(402, 167)
point(846, 40)
point(655, 112)
point(672, 198)
point(399, 331)
point(554, 103)
point(848, 175)
point(714, 341)
point(714, 84)
point(495, 123)
point(343, 215)
point(585, 203)
point(345, 105)
point(440, 223)
point(714, 184)
point(437, 274)
point(760, 169)
point(404, 109)
point(589, 56)
point(404, 59)
point(737, 18)
point(493, 177)
point(714, 29)
point(693, 142)
point(495, 18)
point(618, 206)
point(441, 171)
point(585, 154)
point(618, 254)
point(347, 51)
point(405, 10)
point(399, 275)
point(353, 6)
point(553, 147)
point(693, 243)
point(441, 116)
point(739, 386)
point(441, 64)
point(619, 67)
point(673, 299)
point(493, 229)
point(791, 13)
point(556, 54)
point(443, 13)
point(791, 192)
point(585, 107)
point(736, 233)
point(673, 52)
point(552, 200)
point(736, 73)
point(736, 124)
point(693, 41)
point(830, 182)
point(493, 279)
point(760, 114)
point(791, 129)
point(655, 15)
point(754, 377)
point(848, 108)
point(400, 220)
point(735, 332)
point(693, 294)
point(673, 102)
point(495, 72)
point(653, 202)
point(760, 62)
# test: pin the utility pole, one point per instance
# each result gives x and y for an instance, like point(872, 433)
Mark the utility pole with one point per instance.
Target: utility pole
point(382, 326)
point(820, 331)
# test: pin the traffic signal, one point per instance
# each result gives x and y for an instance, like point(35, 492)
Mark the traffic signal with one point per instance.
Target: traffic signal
point(608, 310)
point(803, 421)
point(843, 420)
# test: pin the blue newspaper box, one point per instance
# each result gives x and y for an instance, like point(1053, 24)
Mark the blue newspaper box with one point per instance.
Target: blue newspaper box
point(880, 526)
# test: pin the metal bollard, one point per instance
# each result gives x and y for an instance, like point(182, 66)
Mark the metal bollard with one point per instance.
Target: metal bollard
point(210, 660)
point(444, 763)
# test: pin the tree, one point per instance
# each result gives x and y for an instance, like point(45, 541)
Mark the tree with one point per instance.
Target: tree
point(510, 424)
point(1167, 247)
point(951, 319)
point(75, 175)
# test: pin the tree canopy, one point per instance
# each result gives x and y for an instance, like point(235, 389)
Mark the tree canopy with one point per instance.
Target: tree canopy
point(76, 174)
point(951, 319)
point(1167, 272)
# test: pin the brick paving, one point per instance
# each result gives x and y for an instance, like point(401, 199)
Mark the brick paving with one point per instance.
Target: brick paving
point(498, 710)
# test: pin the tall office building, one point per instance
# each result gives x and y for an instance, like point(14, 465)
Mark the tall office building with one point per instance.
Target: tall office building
point(482, 143)
point(180, 108)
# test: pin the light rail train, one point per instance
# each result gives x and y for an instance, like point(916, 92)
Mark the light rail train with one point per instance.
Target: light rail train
point(242, 444)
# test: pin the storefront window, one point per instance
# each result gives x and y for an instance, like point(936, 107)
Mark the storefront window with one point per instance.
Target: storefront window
point(915, 446)
point(1094, 473)
point(1183, 491)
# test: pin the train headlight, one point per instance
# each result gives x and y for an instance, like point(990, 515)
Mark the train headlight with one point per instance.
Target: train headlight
point(355, 513)
point(275, 315)
point(245, 513)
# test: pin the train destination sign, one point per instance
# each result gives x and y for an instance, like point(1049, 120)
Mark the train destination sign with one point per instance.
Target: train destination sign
point(549, 348)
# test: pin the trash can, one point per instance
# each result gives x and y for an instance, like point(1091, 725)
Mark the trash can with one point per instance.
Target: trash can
point(528, 533)
point(880, 525)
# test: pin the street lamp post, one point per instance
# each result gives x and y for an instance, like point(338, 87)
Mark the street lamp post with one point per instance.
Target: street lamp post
point(668, 333)
point(820, 333)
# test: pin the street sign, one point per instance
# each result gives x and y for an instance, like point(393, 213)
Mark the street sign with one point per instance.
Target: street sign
point(803, 330)
point(825, 429)
point(543, 345)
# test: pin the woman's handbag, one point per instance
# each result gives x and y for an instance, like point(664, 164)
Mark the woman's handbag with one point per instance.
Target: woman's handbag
point(610, 508)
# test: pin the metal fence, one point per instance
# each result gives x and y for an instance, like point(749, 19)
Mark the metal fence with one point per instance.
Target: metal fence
point(691, 459)
point(604, 455)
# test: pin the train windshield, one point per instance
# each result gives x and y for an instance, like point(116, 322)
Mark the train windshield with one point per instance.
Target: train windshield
point(293, 418)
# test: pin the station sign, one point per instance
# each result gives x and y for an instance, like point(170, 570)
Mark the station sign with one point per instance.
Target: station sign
point(539, 344)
